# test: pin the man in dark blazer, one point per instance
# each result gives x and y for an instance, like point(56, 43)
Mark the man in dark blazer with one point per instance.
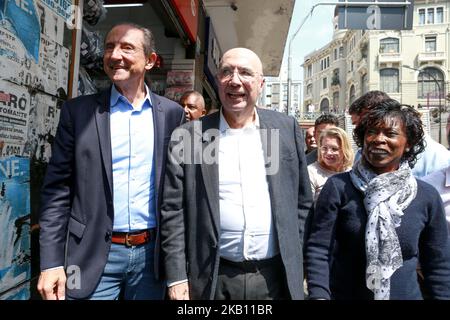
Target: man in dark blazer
point(236, 196)
point(101, 195)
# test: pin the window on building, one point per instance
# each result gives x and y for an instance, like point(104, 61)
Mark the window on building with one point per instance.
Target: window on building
point(335, 53)
point(389, 80)
point(389, 45)
point(335, 78)
point(352, 95)
point(285, 92)
point(324, 63)
point(430, 44)
point(421, 16)
point(325, 105)
point(440, 15)
point(351, 66)
point(309, 89)
point(324, 83)
point(430, 16)
point(341, 52)
point(310, 70)
point(430, 81)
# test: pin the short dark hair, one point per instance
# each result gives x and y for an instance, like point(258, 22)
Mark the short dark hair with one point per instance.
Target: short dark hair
point(328, 118)
point(410, 118)
point(367, 101)
point(149, 41)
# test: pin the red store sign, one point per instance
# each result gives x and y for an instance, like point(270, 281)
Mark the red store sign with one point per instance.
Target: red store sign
point(187, 10)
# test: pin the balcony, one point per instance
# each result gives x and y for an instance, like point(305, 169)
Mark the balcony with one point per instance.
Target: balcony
point(389, 57)
point(362, 66)
point(431, 56)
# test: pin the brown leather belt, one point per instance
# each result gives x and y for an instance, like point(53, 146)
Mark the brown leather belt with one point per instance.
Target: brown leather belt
point(135, 238)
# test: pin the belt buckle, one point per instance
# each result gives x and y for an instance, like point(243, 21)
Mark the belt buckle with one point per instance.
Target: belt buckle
point(127, 240)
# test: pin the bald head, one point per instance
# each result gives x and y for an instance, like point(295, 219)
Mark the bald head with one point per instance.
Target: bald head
point(240, 80)
point(193, 104)
point(244, 53)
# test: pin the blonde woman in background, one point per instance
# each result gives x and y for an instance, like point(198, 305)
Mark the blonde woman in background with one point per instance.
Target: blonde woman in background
point(335, 155)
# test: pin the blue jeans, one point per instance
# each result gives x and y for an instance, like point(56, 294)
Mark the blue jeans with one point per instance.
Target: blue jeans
point(129, 272)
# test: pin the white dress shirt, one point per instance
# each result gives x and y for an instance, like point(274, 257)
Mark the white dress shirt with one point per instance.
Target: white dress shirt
point(247, 229)
point(441, 181)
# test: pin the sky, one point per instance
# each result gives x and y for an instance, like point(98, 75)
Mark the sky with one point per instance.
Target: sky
point(315, 33)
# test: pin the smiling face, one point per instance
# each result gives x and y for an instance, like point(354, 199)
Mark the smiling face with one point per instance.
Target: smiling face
point(240, 80)
point(124, 60)
point(331, 155)
point(384, 145)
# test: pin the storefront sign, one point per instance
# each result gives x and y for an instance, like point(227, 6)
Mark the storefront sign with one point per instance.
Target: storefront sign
point(188, 12)
point(213, 55)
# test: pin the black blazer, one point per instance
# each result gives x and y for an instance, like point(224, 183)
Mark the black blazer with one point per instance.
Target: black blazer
point(190, 226)
point(77, 212)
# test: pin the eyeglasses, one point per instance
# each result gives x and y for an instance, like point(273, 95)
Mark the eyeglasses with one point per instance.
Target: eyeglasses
point(226, 74)
point(324, 149)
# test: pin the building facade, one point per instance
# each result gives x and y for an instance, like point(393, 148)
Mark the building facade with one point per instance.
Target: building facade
point(275, 95)
point(412, 66)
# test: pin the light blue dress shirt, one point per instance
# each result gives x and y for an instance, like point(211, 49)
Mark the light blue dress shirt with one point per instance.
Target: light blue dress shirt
point(132, 146)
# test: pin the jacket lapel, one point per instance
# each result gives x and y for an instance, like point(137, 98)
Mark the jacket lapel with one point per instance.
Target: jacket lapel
point(267, 140)
point(210, 172)
point(158, 133)
point(102, 112)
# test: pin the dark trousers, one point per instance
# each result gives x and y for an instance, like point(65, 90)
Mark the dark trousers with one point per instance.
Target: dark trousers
point(252, 280)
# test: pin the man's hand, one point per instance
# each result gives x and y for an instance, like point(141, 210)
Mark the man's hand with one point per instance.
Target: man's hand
point(179, 291)
point(52, 284)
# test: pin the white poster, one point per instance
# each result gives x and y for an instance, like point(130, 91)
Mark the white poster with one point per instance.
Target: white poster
point(50, 74)
point(14, 111)
point(43, 121)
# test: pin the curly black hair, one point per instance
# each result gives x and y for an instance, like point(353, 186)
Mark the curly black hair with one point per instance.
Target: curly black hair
point(392, 109)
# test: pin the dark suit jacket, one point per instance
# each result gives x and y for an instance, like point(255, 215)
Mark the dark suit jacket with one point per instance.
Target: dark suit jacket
point(77, 210)
point(311, 157)
point(190, 226)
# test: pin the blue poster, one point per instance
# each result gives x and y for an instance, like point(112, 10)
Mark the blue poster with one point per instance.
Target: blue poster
point(20, 17)
point(15, 256)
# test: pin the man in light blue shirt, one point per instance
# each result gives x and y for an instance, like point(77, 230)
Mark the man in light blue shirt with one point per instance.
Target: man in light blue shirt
point(101, 195)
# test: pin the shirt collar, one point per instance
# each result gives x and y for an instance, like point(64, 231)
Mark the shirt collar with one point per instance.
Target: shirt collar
point(447, 177)
point(223, 124)
point(116, 95)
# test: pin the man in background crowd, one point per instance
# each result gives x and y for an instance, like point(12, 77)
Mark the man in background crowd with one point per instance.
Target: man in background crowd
point(193, 104)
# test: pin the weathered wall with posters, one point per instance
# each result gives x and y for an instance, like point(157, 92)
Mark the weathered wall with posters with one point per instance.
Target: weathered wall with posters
point(34, 70)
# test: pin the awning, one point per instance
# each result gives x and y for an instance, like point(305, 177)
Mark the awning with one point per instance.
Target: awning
point(260, 25)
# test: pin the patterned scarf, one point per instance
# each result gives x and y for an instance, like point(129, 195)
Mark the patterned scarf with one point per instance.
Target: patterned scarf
point(385, 197)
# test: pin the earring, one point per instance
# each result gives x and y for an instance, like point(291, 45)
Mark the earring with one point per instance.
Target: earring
point(407, 149)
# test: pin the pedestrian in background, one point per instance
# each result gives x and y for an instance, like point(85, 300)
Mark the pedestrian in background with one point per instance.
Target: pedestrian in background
point(323, 122)
point(193, 104)
point(335, 155)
